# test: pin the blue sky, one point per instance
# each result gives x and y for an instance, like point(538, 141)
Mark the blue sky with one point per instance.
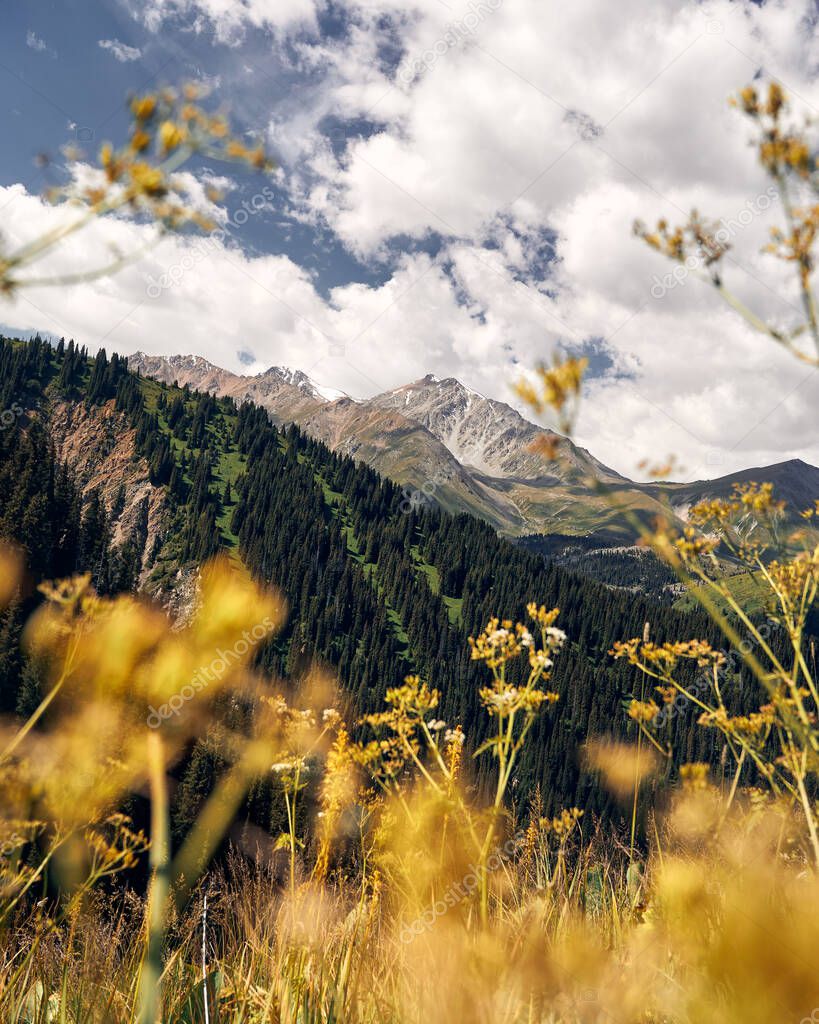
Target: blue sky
point(456, 188)
point(62, 86)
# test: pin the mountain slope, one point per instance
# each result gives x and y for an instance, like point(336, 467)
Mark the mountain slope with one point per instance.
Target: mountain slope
point(445, 443)
point(796, 482)
point(98, 444)
point(375, 587)
point(393, 444)
point(413, 436)
point(286, 394)
point(483, 434)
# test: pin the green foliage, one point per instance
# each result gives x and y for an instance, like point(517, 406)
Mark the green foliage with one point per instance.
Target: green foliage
point(375, 593)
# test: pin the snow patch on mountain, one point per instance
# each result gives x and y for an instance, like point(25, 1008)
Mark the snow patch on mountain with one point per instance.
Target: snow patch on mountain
point(299, 379)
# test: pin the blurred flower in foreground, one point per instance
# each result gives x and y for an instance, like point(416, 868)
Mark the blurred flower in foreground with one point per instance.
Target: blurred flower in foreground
point(110, 661)
point(11, 571)
point(556, 387)
point(622, 766)
point(167, 129)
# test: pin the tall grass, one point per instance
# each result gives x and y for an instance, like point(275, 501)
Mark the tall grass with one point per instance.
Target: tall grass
point(402, 899)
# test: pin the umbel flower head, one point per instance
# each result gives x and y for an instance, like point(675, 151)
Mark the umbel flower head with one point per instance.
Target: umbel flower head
point(508, 700)
point(501, 642)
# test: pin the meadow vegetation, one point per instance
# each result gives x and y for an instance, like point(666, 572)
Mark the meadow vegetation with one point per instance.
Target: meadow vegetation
point(397, 891)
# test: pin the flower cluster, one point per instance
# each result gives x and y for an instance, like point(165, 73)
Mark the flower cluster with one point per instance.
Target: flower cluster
point(643, 710)
point(745, 497)
point(622, 766)
point(694, 238)
point(780, 149)
point(662, 659)
point(453, 749)
point(114, 845)
point(298, 733)
point(508, 700)
point(407, 727)
point(758, 723)
point(167, 129)
point(809, 513)
point(694, 775)
point(500, 642)
point(563, 824)
point(677, 548)
point(558, 388)
point(793, 576)
point(788, 155)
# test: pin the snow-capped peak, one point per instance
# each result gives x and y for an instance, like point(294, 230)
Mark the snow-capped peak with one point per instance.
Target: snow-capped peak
point(299, 379)
point(443, 384)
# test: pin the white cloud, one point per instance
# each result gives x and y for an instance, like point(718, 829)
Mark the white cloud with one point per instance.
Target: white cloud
point(366, 339)
point(226, 18)
point(34, 42)
point(580, 118)
point(122, 52)
point(547, 117)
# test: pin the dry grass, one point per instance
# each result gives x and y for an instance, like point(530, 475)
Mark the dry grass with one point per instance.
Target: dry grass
point(403, 901)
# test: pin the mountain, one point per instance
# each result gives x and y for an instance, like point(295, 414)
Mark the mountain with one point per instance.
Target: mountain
point(795, 482)
point(395, 445)
point(446, 443)
point(286, 394)
point(306, 384)
point(440, 440)
point(138, 482)
point(487, 436)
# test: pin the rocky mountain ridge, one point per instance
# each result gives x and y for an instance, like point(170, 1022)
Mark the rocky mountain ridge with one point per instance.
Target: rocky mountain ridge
point(447, 443)
point(484, 434)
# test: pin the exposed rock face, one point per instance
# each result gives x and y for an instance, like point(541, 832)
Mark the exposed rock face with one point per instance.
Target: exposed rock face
point(98, 444)
point(405, 451)
point(378, 435)
point(184, 596)
point(487, 436)
point(482, 433)
point(447, 443)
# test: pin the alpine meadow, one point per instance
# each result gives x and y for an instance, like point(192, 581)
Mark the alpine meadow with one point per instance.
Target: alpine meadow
point(409, 512)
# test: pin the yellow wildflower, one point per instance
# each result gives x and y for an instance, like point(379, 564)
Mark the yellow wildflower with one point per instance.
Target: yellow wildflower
point(144, 107)
point(171, 135)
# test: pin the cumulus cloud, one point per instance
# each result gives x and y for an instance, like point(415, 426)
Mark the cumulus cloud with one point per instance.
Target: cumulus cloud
point(205, 295)
point(577, 120)
point(120, 51)
point(516, 142)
